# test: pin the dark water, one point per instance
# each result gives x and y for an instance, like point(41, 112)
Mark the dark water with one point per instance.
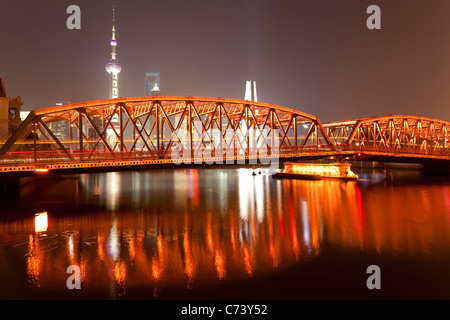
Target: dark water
point(223, 233)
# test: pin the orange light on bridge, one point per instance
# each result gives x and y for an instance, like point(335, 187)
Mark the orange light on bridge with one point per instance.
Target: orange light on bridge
point(40, 170)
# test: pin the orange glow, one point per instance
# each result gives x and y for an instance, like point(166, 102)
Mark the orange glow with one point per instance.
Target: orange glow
point(209, 238)
point(359, 203)
point(330, 170)
point(253, 224)
point(272, 235)
point(156, 269)
point(247, 262)
point(40, 222)
point(40, 170)
point(293, 231)
point(193, 183)
point(83, 269)
point(100, 246)
point(120, 272)
point(188, 262)
point(132, 247)
point(219, 261)
point(160, 246)
point(204, 246)
point(33, 263)
point(232, 231)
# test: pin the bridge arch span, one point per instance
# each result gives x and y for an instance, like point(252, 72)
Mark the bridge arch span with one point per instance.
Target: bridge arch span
point(154, 127)
point(395, 134)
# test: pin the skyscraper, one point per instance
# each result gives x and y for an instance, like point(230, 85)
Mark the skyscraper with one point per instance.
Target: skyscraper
point(152, 84)
point(113, 66)
point(250, 91)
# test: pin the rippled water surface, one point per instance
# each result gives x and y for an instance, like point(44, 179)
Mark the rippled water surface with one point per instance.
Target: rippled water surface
point(224, 233)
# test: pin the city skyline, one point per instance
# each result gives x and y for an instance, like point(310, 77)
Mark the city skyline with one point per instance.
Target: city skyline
point(318, 58)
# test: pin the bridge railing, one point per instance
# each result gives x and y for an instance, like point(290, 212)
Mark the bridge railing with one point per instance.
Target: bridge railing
point(56, 157)
point(395, 150)
point(31, 158)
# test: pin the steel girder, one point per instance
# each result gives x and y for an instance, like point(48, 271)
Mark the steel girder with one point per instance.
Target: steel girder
point(393, 133)
point(156, 126)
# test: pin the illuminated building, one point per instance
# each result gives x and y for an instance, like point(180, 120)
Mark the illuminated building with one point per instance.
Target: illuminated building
point(152, 84)
point(9, 113)
point(113, 66)
point(24, 114)
point(61, 128)
point(250, 91)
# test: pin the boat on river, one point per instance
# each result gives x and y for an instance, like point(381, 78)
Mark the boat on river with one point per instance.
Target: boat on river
point(317, 171)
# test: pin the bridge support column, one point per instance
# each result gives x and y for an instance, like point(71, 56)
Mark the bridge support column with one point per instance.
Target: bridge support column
point(157, 123)
point(34, 143)
point(70, 136)
point(295, 132)
point(221, 132)
point(80, 133)
point(248, 129)
point(272, 131)
point(121, 127)
point(189, 129)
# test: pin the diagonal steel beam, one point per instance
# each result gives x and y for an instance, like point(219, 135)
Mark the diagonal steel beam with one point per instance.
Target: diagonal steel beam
point(21, 131)
point(101, 137)
point(127, 112)
point(42, 123)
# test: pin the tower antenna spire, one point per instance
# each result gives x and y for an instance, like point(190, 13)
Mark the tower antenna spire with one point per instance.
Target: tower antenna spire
point(114, 23)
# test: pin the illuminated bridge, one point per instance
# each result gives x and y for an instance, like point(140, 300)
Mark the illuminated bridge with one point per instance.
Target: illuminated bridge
point(143, 131)
point(393, 138)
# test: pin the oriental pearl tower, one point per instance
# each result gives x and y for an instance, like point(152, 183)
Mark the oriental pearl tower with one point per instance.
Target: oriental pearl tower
point(113, 66)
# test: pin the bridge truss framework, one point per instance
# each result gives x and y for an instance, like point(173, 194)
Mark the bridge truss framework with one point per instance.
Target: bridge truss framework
point(161, 130)
point(149, 130)
point(402, 135)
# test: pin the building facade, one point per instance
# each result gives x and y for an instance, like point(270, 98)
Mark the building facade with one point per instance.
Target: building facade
point(152, 84)
point(250, 91)
point(9, 113)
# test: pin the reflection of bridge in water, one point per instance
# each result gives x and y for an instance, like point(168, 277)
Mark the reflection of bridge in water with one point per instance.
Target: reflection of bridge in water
point(192, 243)
point(167, 130)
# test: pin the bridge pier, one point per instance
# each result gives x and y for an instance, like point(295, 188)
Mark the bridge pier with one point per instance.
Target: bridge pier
point(437, 168)
point(9, 186)
point(386, 165)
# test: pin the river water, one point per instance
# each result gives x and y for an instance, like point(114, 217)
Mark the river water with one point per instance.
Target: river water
point(222, 233)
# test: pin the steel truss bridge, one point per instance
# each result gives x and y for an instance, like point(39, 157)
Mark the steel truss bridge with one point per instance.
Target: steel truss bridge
point(194, 130)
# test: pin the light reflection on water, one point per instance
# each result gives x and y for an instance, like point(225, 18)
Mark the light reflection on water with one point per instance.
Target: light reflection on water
point(192, 227)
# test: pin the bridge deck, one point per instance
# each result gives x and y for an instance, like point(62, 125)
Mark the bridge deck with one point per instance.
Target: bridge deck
point(145, 131)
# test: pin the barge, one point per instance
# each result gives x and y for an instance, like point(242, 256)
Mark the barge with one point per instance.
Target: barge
point(316, 171)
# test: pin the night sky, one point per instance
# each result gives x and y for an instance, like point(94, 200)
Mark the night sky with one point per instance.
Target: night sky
point(317, 56)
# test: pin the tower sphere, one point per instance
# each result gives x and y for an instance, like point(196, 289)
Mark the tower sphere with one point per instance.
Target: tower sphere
point(113, 66)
